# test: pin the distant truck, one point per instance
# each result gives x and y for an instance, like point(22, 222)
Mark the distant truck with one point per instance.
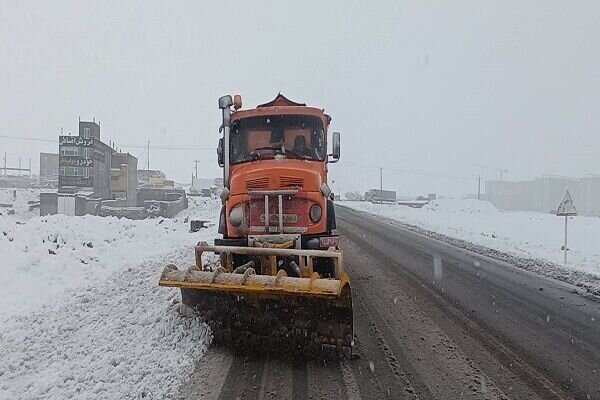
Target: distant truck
point(380, 196)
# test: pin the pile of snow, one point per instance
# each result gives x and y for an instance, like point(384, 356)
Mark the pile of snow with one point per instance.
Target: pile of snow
point(45, 255)
point(210, 209)
point(121, 339)
point(461, 206)
point(17, 201)
point(521, 233)
point(81, 313)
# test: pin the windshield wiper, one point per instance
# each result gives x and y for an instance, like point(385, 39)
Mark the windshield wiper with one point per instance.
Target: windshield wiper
point(304, 157)
point(267, 148)
point(255, 154)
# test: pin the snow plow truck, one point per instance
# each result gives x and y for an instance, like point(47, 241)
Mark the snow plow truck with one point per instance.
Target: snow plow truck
point(279, 277)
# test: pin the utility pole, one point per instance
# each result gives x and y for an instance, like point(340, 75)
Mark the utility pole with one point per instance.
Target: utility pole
point(30, 167)
point(196, 162)
point(4, 163)
point(380, 186)
point(19, 166)
point(148, 155)
point(479, 188)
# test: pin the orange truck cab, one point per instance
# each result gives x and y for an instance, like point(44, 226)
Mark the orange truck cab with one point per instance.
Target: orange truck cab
point(275, 162)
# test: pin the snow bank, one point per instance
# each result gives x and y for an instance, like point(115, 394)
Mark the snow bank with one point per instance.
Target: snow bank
point(19, 204)
point(47, 255)
point(524, 234)
point(81, 313)
point(123, 339)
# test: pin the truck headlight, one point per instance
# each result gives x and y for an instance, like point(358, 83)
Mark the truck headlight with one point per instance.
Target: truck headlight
point(315, 213)
point(236, 215)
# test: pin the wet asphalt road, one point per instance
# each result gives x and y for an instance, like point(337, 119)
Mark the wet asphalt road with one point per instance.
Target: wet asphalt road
point(431, 322)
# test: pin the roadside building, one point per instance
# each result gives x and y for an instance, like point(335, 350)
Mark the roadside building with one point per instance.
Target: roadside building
point(203, 187)
point(48, 166)
point(86, 175)
point(123, 178)
point(84, 162)
point(158, 183)
point(544, 193)
point(94, 178)
point(144, 175)
point(588, 195)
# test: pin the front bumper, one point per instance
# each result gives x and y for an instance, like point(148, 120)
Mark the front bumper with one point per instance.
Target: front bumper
point(312, 242)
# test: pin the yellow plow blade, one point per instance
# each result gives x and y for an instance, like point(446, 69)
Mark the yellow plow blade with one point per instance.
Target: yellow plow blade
point(299, 315)
point(267, 285)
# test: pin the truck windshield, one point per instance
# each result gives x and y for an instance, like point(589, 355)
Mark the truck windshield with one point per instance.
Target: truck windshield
point(292, 136)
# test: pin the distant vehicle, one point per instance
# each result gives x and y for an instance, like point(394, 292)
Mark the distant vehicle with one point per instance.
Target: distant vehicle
point(354, 196)
point(381, 196)
point(418, 203)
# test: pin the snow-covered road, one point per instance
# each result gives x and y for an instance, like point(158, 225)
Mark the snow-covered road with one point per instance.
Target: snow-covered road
point(82, 316)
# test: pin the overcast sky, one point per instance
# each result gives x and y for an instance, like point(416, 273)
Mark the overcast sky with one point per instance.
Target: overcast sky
point(435, 92)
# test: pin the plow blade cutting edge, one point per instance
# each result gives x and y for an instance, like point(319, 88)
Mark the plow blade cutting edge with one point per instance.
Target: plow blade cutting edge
point(266, 312)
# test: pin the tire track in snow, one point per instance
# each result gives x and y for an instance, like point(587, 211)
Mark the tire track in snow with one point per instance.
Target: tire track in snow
point(208, 378)
point(244, 378)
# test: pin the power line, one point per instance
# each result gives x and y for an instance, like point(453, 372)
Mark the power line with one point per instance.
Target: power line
point(410, 171)
point(160, 147)
point(133, 146)
point(28, 138)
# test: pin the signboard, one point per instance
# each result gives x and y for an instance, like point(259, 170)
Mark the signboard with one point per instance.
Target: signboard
point(75, 141)
point(74, 161)
point(566, 207)
point(79, 181)
point(97, 151)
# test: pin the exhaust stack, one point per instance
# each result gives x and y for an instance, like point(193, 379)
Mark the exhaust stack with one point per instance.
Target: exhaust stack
point(225, 103)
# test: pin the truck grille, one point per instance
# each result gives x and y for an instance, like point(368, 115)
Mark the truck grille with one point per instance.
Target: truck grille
point(294, 214)
point(290, 181)
point(257, 183)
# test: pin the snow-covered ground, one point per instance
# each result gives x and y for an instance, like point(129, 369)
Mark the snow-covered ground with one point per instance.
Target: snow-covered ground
point(19, 204)
point(81, 313)
point(524, 234)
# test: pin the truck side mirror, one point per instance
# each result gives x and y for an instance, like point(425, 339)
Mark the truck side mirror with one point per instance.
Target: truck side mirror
point(335, 147)
point(220, 154)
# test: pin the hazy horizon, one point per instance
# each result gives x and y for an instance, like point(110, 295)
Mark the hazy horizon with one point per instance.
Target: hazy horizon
point(434, 93)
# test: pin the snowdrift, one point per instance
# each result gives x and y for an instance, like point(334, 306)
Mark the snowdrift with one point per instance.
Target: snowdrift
point(524, 234)
point(81, 312)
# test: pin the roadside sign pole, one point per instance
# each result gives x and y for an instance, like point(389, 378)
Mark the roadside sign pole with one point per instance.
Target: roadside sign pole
point(566, 208)
point(380, 186)
point(566, 220)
